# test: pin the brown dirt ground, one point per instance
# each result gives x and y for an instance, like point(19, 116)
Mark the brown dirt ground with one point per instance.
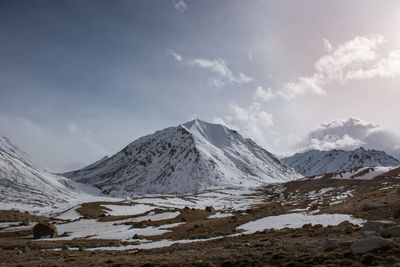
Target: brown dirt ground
point(374, 199)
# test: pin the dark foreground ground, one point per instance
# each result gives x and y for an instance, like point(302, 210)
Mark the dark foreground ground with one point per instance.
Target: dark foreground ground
point(378, 199)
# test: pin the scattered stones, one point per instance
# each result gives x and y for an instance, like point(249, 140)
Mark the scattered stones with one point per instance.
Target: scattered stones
point(369, 244)
point(330, 244)
point(210, 209)
point(44, 230)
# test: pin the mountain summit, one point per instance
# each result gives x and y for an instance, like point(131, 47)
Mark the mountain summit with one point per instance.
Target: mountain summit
point(187, 158)
point(317, 162)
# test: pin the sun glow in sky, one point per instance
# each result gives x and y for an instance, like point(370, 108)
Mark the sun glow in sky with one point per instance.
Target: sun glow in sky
point(81, 79)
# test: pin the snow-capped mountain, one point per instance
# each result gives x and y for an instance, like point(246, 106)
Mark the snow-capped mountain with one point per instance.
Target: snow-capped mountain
point(318, 162)
point(187, 158)
point(24, 184)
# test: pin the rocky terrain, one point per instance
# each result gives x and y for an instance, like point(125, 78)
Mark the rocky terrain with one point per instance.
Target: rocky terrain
point(323, 221)
point(315, 162)
point(238, 205)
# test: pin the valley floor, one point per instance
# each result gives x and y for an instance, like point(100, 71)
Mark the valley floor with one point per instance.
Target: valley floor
point(279, 225)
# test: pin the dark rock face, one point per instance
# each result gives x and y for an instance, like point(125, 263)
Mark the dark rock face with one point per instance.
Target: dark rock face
point(44, 230)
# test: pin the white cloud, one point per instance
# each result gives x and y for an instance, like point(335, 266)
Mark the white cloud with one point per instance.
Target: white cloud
point(350, 134)
point(262, 94)
point(180, 5)
point(354, 60)
point(222, 72)
point(327, 45)
point(250, 55)
point(252, 122)
point(219, 68)
point(177, 56)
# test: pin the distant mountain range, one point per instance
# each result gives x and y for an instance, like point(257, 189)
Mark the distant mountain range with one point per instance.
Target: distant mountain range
point(22, 182)
point(315, 162)
point(187, 158)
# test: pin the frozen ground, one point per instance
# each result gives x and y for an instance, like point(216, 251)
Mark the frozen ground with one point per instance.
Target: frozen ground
point(296, 220)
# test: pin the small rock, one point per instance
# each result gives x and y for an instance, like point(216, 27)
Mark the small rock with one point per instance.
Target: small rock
point(344, 224)
point(369, 244)
point(210, 209)
point(80, 248)
point(349, 229)
point(183, 219)
point(44, 230)
point(377, 225)
point(136, 236)
point(330, 244)
point(26, 249)
point(393, 231)
point(65, 247)
point(314, 206)
point(307, 226)
point(26, 222)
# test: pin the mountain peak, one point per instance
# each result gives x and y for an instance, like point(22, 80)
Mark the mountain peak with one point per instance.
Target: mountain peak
point(187, 158)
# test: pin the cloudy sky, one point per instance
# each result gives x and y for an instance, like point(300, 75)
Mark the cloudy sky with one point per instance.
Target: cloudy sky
point(82, 79)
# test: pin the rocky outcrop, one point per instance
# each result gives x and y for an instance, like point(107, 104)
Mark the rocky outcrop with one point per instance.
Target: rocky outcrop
point(44, 230)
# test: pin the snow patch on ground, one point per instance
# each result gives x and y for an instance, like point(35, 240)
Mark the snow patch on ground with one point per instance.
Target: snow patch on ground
point(94, 229)
point(296, 220)
point(220, 215)
point(121, 210)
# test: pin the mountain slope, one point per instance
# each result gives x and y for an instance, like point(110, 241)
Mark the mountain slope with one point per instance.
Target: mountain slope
point(183, 159)
point(318, 162)
point(22, 183)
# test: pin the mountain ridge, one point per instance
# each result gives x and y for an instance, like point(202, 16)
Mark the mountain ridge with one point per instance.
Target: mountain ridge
point(315, 162)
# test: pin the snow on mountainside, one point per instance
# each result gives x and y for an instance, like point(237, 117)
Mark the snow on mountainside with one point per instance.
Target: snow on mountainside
point(315, 162)
point(24, 185)
point(183, 159)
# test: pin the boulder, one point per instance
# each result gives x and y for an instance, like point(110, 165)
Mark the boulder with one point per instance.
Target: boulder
point(44, 230)
point(369, 244)
point(376, 226)
point(210, 209)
